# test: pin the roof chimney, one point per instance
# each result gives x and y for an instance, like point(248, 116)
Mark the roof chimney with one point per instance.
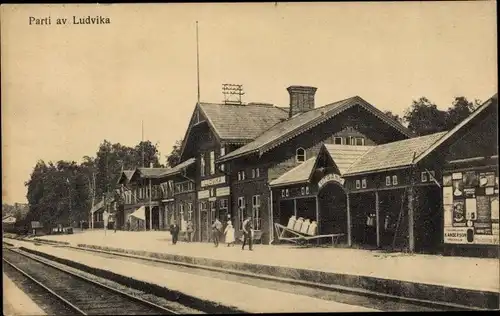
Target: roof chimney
point(301, 99)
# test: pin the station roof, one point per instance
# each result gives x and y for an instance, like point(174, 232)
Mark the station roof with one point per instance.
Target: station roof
point(303, 122)
point(177, 169)
point(345, 155)
point(242, 122)
point(299, 174)
point(342, 155)
point(392, 155)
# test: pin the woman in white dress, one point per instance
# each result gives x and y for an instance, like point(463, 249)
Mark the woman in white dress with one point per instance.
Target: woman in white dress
point(229, 233)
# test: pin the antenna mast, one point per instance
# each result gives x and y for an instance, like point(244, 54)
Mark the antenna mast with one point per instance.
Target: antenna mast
point(232, 93)
point(197, 62)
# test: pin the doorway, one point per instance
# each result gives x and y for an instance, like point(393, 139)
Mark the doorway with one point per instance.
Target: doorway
point(333, 210)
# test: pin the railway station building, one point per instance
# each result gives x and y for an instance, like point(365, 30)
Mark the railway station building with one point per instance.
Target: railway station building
point(346, 165)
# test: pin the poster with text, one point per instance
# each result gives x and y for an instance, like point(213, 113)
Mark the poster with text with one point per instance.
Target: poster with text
point(447, 195)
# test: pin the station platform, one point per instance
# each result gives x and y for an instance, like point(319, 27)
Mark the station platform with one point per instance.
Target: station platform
point(242, 297)
point(459, 279)
point(16, 302)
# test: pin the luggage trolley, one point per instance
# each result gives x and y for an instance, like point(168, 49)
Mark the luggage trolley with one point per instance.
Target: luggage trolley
point(302, 231)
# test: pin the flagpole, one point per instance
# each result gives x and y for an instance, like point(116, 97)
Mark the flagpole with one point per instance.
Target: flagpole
point(197, 62)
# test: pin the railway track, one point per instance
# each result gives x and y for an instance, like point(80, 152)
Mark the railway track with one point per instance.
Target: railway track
point(341, 294)
point(74, 294)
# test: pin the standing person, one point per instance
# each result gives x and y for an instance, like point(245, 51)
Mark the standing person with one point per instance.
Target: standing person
point(190, 230)
point(247, 233)
point(174, 231)
point(105, 217)
point(216, 230)
point(229, 233)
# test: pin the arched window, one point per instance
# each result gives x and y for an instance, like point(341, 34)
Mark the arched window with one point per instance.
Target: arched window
point(300, 155)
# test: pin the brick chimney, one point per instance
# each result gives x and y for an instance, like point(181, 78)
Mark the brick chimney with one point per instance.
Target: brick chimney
point(301, 99)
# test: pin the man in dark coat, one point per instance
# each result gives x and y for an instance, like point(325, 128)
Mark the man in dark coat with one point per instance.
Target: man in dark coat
point(247, 233)
point(174, 231)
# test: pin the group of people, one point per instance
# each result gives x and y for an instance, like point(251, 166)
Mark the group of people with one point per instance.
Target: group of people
point(217, 231)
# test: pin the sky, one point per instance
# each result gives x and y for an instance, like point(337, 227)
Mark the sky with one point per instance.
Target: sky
point(66, 88)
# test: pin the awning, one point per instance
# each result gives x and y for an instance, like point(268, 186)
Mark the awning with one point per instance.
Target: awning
point(140, 213)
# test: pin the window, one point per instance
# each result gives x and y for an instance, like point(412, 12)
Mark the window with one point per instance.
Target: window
point(388, 180)
point(181, 210)
point(212, 162)
point(255, 173)
point(394, 180)
point(241, 212)
point(307, 190)
point(360, 141)
point(223, 204)
point(202, 165)
point(213, 210)
point(300, 155)
point(302, 190)
point(203, 206)
point(256, 212)
point(432, 175)
point(282, 193)
point(287, 193)
point(428, 176)
point(424, 176)
point(363, 183)
point(352, 141)
point(338, 141)
point(243, 175)
point(222, 153)
point(358, 184)
point(190, 186)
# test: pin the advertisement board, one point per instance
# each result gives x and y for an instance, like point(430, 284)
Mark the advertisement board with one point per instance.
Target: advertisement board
point(470, 205)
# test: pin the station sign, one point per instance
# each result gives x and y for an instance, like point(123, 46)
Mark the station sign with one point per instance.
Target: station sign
point(332, 177)
point(213, 181)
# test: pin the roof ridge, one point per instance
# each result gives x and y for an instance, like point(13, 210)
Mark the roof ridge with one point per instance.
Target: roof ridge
point(411, 139)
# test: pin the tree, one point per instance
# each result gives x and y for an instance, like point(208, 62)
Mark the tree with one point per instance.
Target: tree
point(150, 154)
point(174, 157)
point(461, 108)
point(423, 117)
point(396, 117)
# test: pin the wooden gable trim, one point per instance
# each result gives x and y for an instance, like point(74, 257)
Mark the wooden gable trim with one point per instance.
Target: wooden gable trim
point(197, 111)
point(188, 130)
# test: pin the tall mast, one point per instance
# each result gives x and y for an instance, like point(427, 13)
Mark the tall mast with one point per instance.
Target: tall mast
point(197, 62)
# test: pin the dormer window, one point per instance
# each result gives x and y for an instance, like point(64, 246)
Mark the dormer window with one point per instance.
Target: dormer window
point(360, 141)
point(338, 141)
point(300, 155)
